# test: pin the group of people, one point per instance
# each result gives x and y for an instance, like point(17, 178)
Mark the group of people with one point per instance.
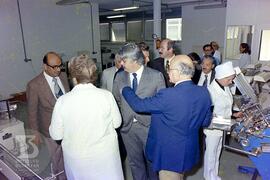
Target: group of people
point(157, 107)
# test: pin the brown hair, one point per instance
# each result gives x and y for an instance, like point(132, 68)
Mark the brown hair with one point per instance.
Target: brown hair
point(143, 46)
point(246, 48)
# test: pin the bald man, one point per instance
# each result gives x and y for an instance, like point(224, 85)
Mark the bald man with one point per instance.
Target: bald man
point(177, 114)
point(41, 98)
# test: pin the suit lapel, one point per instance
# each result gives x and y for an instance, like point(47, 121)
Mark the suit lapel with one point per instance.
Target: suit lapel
point(161, 64)
point(126, 79)
point(47, 93)
point(212, 76)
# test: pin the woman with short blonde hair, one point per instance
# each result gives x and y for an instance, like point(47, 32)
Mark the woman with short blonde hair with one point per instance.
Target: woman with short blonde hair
point(83, 69)
point(85, 120)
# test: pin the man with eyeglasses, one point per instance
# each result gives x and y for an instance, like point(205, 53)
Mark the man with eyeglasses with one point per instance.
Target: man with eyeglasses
point(209, 51)
point(42, 93)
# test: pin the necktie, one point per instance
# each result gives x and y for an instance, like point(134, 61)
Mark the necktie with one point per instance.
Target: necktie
point(205, 82)
point(57, 90)
point(134, 82)
point(167, 65)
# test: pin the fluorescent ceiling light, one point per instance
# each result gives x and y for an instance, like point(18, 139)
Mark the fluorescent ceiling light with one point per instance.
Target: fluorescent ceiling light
point(126, 8)
point(116, 16)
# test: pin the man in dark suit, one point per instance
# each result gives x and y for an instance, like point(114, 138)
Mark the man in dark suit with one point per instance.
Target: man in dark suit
point(145, 82)
point(42, 93)
point(162, 64)
point(207, 74)
point(177, 114)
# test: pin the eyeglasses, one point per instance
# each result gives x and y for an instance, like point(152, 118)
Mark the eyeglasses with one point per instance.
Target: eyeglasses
point(56, 66)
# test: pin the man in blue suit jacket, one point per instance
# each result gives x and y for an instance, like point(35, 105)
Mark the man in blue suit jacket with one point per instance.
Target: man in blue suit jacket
point(177, 115)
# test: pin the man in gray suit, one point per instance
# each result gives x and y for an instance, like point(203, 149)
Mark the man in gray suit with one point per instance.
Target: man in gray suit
point(42, 93)
point(145, 82)
point(108, 74)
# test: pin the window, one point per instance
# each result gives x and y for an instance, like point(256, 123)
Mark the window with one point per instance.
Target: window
point(265, 46)
point(232, 32)
point(140, 30)
point(118, 32)
point(174, 29)
point(104, 31)
point(134, 31)
point(148, 29)
point(234, 37)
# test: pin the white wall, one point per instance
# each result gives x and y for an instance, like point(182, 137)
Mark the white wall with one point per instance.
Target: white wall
point(47, 27)
point(201, 27)
point(250, 12)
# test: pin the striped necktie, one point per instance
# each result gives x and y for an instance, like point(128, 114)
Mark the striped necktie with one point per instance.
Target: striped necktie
point(57, 90)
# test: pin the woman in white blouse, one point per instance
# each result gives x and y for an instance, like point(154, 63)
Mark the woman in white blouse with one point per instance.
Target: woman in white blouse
point(85, 120)
point(245, 58)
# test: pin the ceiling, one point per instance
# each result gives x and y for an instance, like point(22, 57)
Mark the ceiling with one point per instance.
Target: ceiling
point(145, 6)
point(111, 4)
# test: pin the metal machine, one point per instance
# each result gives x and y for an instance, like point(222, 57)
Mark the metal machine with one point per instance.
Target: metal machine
point(255, 120)
point(253, 130)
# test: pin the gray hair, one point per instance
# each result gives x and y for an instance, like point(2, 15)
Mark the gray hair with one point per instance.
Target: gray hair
point(83, 69)
point(185, 69)
point(117, 58)
point(133, 52)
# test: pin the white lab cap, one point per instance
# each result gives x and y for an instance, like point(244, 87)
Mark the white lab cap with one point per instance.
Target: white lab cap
point(224, 70)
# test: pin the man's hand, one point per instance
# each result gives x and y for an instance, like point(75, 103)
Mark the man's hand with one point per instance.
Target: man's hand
point(37, 139)
point(238, 114)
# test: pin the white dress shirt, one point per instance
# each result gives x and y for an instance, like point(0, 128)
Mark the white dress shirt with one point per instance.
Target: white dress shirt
point(165, 60)
point(181, 82)
point(139, 75)
point(49, 79)
point(202, 78)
